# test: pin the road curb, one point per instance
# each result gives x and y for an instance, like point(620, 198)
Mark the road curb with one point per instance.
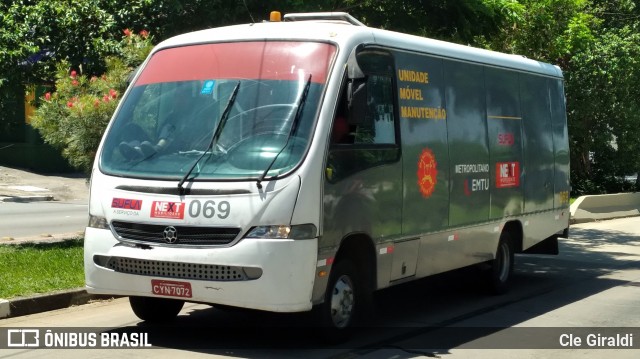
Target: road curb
point(4, 308)
point(20, 306)
point(603, 207)
point(26, 199)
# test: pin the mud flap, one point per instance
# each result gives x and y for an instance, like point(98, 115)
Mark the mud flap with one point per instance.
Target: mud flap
point(549, 245)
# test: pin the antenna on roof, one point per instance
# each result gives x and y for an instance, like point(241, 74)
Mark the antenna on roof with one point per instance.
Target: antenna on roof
point(246, 7)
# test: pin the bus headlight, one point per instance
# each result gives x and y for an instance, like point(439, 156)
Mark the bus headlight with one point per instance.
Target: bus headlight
point(98, 222)
point(300, 231)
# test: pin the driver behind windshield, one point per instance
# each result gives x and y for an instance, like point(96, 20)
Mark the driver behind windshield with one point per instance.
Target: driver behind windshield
point(177, 120)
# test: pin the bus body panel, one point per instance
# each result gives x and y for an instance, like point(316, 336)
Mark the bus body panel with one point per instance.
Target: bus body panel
point(470, 166)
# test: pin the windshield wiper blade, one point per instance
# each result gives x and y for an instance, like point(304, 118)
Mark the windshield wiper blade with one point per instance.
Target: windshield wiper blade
point(294, 126)
point(214, 138)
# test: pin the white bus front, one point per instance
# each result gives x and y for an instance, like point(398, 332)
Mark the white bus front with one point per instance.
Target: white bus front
point(195, 182)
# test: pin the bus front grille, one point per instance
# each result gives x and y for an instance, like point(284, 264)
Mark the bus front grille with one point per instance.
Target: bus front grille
point(174, 235)
point(178, 270)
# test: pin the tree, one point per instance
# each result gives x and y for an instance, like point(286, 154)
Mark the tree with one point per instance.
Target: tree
point(44, 32)
point(464, 21)
point(74, 117)
point(604, 104)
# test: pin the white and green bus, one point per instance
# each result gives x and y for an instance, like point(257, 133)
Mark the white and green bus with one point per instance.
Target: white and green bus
point(306, 163)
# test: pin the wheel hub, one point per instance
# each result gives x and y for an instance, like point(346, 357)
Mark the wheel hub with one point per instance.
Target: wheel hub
point(342, 300)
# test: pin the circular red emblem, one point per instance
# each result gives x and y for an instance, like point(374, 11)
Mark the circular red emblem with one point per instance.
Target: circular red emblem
point(427, 172)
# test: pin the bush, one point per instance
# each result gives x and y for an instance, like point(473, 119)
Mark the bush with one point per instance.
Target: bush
point(600, 182)
point(74, 117)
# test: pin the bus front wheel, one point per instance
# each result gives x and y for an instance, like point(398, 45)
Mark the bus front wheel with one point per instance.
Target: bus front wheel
point(342, 302)
point(155, 310)
point(499, 276)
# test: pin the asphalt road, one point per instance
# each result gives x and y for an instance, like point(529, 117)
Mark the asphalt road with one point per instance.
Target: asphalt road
point(592, 288)
point(41, 219)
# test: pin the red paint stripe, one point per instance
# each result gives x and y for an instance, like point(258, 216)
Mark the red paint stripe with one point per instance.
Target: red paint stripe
point(240, 60)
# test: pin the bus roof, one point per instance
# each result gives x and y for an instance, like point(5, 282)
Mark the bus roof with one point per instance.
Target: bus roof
point(347, 34)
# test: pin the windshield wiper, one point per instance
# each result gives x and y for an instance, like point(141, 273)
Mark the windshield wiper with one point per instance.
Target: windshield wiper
point(294, 126)
point(214, 138)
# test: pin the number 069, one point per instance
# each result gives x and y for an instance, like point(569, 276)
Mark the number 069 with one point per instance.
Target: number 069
point(209, 209)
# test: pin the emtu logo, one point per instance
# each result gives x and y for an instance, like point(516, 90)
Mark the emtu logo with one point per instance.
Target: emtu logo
point(475, 184)
point(507, 174)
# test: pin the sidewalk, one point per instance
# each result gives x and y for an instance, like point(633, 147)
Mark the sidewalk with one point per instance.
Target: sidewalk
point(17, 185)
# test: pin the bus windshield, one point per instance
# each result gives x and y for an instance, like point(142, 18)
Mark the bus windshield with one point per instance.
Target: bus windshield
point(166, 124)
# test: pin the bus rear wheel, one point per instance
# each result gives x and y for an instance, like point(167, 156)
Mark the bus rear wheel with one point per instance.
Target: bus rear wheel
point(155, 310)
point(499, 276)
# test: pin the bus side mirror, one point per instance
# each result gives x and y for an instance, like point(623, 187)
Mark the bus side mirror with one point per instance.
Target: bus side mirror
point(357, 102)
point(132, 75)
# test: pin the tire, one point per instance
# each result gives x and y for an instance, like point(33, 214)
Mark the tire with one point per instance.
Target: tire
point(342, 302)
point(155, 310)
point(232, 309)
point(501, 271)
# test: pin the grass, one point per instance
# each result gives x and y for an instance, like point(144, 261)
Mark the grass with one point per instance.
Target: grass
point(32, 268)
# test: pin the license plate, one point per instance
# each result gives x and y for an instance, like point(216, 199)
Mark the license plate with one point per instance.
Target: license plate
point(171, 288)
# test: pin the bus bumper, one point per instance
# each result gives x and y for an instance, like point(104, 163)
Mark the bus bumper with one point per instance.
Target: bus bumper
point(275, 274)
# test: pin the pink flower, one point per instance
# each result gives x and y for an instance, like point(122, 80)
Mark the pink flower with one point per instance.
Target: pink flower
point(144, 34)
point(74, 74)
point(47, 96)
point(113, 93)
point(105, 98)
point(127, 32)
point(69, 104)
point(75, 82)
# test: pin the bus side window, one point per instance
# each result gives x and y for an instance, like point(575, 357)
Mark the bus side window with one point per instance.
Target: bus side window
point(375, 125)
point(341, 129)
